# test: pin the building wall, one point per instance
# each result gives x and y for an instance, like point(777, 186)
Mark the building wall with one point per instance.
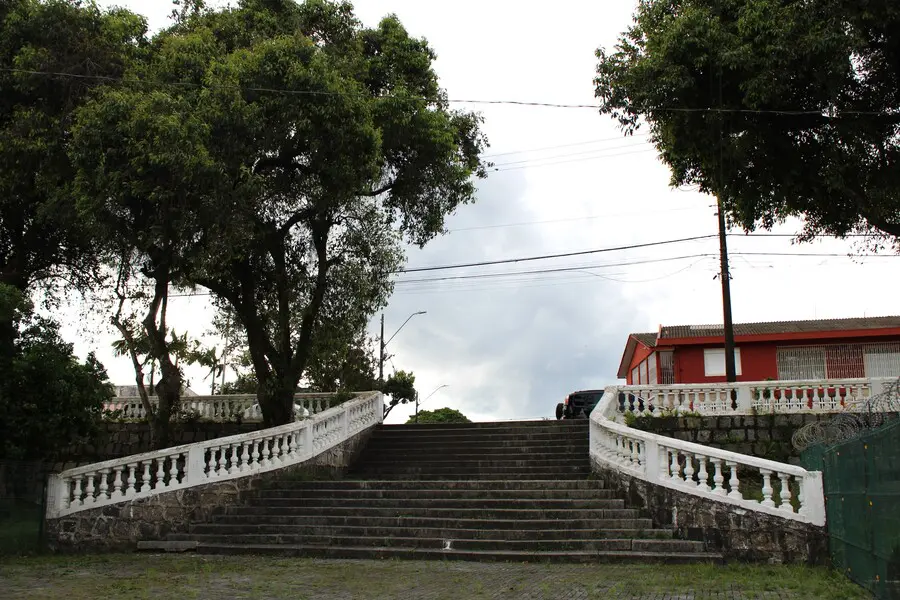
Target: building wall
point(758, 362)
point(641, 353)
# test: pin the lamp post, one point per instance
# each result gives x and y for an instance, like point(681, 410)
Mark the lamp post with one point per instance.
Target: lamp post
point(383, 343)
point(426, 398)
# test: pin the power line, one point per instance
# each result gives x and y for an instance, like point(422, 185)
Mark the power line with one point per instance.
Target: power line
point(562, 255)
point(554, 270)
point(301, 92)
point(609, 139)
point(563, 162)
point(571, 219)
point(558, 156)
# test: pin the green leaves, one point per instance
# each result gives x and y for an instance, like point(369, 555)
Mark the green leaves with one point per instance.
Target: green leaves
point(780, 108)
point(439, 415)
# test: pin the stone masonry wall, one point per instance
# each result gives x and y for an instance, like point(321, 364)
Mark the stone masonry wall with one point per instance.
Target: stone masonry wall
point(119, 527)
point(737, 533)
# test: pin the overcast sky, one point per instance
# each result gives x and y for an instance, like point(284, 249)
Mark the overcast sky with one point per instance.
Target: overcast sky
point(567, 181)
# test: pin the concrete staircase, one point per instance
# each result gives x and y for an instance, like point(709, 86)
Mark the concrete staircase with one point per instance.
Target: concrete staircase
point(517, 491)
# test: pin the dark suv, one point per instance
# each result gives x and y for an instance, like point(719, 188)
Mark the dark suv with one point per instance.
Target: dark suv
point(578, 405)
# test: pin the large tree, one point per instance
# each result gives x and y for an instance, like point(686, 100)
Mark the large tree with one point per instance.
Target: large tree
point(781, 108)
point(337, 143)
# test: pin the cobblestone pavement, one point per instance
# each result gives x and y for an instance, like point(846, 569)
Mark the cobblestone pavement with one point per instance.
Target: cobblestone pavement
point(188, 577)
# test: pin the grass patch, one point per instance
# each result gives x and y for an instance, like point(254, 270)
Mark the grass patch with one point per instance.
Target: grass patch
point(188, 576)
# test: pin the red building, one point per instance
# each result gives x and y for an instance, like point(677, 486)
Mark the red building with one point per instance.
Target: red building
point(832, 348)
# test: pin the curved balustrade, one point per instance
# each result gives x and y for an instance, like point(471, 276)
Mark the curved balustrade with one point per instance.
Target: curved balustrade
point(144, 475)
point(223, 408)
point(701, 470)
point(759, 397)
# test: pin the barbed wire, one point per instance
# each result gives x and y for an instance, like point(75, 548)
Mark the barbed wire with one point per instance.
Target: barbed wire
point(852, 422)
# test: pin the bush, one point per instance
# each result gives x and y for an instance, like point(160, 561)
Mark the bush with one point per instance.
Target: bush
point(440, 415)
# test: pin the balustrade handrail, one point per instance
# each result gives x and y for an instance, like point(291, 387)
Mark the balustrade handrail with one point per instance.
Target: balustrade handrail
point(670, 462)
point(242, 437)
point(770, 383)
point(725, 455)
point(142, 475)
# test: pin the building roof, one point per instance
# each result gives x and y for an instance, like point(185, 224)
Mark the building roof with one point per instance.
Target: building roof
point(779, 327)
point(674, 335)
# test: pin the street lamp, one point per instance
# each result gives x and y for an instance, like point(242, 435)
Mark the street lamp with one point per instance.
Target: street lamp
point(426, 398)
point(385, 343)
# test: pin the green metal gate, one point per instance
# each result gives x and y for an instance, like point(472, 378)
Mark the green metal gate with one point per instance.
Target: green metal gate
point(862, 495)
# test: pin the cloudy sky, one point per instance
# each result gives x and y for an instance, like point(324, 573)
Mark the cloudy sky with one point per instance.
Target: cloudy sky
point(512, 346)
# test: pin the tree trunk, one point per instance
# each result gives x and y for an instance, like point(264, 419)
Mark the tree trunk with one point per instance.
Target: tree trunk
point(168, 390)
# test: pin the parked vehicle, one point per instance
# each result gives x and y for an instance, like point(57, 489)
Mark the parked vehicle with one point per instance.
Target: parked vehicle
point(578, 405)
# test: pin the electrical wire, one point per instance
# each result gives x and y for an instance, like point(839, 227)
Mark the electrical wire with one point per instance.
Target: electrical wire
point(300, 92)
point(609, 139)
point(561, 255)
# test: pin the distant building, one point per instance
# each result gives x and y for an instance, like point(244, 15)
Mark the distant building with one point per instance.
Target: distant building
point(785, 350)
point(131, 391)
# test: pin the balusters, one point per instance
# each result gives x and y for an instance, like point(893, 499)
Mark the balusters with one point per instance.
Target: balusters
point(173, 470)
point(117, 482)
point(292, 446)
point(675, 468)
point(222, 468)
point(145, 477)
point(232, 459)
point(734, 483)
point(663, 461)
point(767, 488)
point(801, 497)
point(76, 495)
point(130, 491)
point(104, 485)
point(255, 455)
point(785, 493)
point(718, 479)
point(89, 490)
point(702, 475)
point(245, 457)
point(265, 453)
point(276, 451)
point(160, 473)
point(689, 470)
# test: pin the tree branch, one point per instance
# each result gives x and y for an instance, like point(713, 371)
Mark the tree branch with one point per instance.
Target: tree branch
point(377, 192)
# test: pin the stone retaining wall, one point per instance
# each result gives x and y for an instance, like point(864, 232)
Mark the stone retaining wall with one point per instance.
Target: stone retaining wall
point(119, 527)
point(736, 533)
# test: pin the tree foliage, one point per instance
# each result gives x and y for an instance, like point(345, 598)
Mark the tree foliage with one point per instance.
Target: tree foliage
point(319, 145)
point(439, 415)
point(48, 398)
point(400, 387)
point(40, 235)
point(779, 108)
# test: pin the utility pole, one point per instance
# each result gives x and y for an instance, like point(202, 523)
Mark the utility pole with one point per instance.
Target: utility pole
point(730, 370)
point(381, 353)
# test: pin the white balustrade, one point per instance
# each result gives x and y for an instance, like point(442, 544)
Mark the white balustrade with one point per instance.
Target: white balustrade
point(143, 475)
point(759, 397)
point(222, 408)
point(688, 467)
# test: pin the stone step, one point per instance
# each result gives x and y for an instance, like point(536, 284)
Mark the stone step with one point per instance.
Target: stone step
point(450, 437)
point(438, 543)
point(476, 462)
point(453, 473)
point(433, 522)
point(364, 531)
point(435, 495)
point(548, 483)
point(473, 555)
point(439, 503)
point(473, 453)
point(475, 445)
point(549, 424)
point(433, 512)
